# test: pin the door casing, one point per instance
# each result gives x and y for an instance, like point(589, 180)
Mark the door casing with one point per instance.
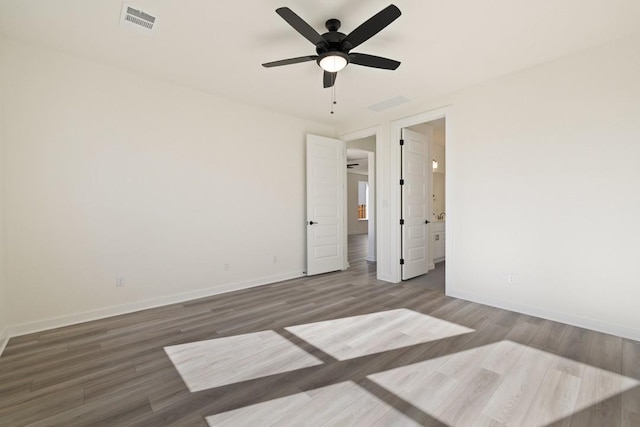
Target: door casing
point(389, 196)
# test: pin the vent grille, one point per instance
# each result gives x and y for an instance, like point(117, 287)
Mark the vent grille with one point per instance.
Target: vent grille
point(389, 103)
point(136, 18)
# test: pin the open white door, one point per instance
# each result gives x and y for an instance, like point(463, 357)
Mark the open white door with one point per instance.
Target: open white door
point(415, 191)
point(326, 201)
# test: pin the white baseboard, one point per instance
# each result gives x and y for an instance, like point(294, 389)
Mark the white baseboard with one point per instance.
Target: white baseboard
point(4, 339)
point(371, 259)
point(57, 322)
point(569, 319)
point(72, 319)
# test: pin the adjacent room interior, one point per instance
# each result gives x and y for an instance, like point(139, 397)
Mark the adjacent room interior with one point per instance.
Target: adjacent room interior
point(469, 208)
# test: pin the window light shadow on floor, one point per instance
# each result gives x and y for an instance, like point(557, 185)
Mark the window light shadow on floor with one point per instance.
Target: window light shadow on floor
point(217, 362)
point(339, 404)
point(358, 336)
point(504, 382)
point(496, 383)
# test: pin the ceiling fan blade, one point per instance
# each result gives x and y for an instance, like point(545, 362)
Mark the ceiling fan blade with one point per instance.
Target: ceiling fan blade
point(373, 61)
point(300, 26)
point(329, 79)
point(371, 27)
point(290, 61)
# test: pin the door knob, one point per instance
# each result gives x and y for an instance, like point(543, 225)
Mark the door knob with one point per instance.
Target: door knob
point(426, 221)
point(311, 222)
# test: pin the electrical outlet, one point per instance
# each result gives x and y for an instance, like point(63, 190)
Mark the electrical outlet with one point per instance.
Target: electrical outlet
point(120, 281)
point(226, 267)
point(511, 279)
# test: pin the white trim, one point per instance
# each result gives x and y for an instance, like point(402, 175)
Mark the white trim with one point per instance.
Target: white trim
point(33, 327)
point(371, 224)
point(360, 134)
point(4, 339)
point(449, 186)
point(72, 319)
point(371, 258)
point(345, 216)
point(582, 322)
point(428, 116)
point(395, 131)
point(378, 132)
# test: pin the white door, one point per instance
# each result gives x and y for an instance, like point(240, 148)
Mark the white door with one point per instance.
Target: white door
point(415, 191)
point(326, 202)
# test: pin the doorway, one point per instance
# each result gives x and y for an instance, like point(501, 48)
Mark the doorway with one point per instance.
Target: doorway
point(422, 200)
point(332, 203)
point(361, 198)
point(327, 213)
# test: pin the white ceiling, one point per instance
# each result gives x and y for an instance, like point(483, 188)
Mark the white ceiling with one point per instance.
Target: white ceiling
point(218, 46)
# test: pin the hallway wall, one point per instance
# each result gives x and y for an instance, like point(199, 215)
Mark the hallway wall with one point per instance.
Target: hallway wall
point(354, 225)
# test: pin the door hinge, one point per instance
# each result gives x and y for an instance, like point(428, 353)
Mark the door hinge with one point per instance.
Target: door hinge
point(402, 142)
point(402, 182)
point(402, 222)
point(401, 261)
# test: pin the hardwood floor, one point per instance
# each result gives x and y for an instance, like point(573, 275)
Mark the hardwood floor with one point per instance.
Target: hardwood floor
point(337, 349)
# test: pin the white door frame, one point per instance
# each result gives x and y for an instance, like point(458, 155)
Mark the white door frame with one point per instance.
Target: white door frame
point(391, 216)
point(378, 132)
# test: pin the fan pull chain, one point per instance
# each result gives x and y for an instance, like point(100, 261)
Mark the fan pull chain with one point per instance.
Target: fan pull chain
point(333, 97)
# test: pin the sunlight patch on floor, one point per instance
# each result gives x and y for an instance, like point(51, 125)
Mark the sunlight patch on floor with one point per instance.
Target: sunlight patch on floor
point(221, 361)
point(357, 336)
point(339, 404)
point(504, 382)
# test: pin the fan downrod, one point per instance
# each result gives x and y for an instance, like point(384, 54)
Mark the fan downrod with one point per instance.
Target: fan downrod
point(332, 24)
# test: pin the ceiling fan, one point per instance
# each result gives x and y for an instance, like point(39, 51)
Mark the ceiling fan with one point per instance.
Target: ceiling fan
point(333, 48)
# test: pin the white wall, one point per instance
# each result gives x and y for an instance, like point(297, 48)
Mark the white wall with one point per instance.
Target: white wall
point(111, 173)
point(354, 225)
point(439, 194)
point(438, 153)
point(546, 166)
point(543, 184)
point(371, 222)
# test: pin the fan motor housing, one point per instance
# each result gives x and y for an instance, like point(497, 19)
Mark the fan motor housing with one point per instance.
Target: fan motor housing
point(333, 41)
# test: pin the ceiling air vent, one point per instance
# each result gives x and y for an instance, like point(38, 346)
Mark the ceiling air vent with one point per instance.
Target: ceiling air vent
point(135, 18)
point(389, 103)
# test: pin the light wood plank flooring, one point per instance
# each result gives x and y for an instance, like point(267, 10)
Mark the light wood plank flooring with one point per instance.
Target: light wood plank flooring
point(336, 349)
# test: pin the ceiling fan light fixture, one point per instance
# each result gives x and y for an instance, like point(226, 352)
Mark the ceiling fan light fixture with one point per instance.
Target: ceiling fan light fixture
point(333, 62)
point(333, 48)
